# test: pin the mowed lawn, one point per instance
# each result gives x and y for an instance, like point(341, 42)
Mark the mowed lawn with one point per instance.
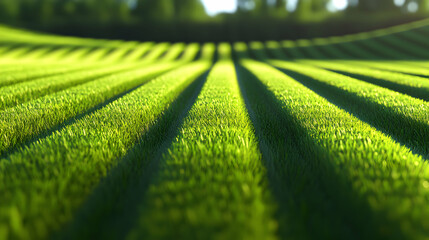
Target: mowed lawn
point(308, 139)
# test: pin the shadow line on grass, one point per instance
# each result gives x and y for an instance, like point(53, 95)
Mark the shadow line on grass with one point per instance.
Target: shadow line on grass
point(380, 117)
point(75, 84)
point(416, 92)
point(43, 134)
point(316, 201)
point(113, 208)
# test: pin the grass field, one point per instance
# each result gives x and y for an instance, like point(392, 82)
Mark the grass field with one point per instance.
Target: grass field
point(308, 139)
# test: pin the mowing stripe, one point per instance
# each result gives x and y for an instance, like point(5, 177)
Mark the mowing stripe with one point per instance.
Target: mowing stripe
point(7, 68)
point(118, 54)
point(334, 52)
point(404, 46)
point(95, 55)
point(173, 53)
point(76, 55)
point(35, 53)
point(356, 51)
point(300, 182)
point(55, 55)
point(80, 155)
point(414, 37)
point(412, 85)
point(138, 52)
point(212, 183)
point(93, 144)
point(274, 48)
point(22, 122)
point(258, 51)
point(401, 116)
point(96, 219)
point(224, 51)
point(33, 72)
point(381, 49)
point(20, 93)
point(26, 91)
point(208, 52)
point(292, 50)
point(421, 63)
point(387, 176)
point(9, 34)
point(240, 51)
point(313, 52)
point(13, 78)
point(190, 52)
point(156, 52)
point(408, 67)
point(15, 53)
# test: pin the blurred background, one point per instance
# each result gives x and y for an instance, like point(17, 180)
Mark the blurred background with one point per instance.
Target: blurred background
point(209, 20)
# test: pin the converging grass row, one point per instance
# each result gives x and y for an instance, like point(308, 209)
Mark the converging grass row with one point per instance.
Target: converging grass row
point(295, 140)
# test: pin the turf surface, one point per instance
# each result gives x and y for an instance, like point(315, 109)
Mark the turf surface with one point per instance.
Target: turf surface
point(308, 139)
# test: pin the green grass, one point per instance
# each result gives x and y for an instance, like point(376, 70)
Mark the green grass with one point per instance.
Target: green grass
point(324, 138)
point(26, 91)
point(24, 121)
point(33, 72)
point(214, 163)
point(385, 174)
point(138, 51)
point(414, 50)
point(388, 110)
point(412, 85)
point(407, 67)
point(123, 121)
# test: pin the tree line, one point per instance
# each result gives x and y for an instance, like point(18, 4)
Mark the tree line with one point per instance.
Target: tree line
point(43, 11)
point(181, 18)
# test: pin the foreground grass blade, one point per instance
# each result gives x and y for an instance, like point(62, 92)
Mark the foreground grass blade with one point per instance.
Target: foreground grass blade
point(401, 116)
point(211, 183)
point(34, 206)
point(381, 173)
point(103, 139)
